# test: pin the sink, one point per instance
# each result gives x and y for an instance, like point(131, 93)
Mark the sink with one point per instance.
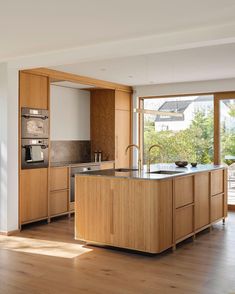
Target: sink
point(166, 172)
point(125, 170)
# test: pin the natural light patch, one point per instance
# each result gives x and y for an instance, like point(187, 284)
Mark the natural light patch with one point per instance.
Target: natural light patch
point(43, 247)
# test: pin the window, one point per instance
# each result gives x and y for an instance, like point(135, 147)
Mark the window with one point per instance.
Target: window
point(182, 126)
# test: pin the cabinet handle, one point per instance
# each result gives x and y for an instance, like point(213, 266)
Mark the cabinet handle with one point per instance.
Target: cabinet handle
point(111, 213)
point(116, 147)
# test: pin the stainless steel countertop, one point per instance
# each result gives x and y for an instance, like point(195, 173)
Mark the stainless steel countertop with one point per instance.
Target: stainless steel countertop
point(144, 175)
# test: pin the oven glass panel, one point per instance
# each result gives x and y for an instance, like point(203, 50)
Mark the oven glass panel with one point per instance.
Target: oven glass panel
point(35, 127)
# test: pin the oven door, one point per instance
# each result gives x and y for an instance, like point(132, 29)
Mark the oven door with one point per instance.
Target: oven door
point(34, 153)
point(34, 123)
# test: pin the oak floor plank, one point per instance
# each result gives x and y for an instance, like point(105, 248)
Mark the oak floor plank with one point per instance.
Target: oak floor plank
point(45, 259)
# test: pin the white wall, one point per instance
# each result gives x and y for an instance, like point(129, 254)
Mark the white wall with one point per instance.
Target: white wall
point(8, 148)
point(70, 113)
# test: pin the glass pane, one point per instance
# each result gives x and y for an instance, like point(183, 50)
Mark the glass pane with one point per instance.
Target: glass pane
point(184, 129)
point(227, 141)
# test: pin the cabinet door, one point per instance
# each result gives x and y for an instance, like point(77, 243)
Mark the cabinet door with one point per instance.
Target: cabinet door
point(183, 191)
point(33, 91)
point(122, 138)
point(93, 209)
point(183, 222)
point(217, 207)
point(33, 194)
point(217, 182)
point(58, 202)
point(59, 178)
point(202, 200)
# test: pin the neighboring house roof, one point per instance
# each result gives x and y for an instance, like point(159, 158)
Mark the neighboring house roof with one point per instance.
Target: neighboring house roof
point(173, 106)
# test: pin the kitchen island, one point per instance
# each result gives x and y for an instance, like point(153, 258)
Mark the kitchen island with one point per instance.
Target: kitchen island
point(148, 212)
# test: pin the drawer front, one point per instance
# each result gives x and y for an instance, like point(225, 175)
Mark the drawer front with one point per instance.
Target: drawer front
point(217, 182)
point(183, 222)
point(107, 165)
point(58, 202)
point(59, 178)
point(183, 191)
point(217, 207)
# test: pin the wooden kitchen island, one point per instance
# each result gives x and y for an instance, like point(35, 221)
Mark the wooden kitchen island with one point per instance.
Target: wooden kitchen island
point(149, 212)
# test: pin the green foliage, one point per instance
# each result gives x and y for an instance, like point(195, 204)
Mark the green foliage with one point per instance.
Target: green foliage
point(192, 144)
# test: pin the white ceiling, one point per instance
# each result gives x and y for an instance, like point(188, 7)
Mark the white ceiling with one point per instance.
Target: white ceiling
point(207, 63)
point(125, 41)
point(31, 27)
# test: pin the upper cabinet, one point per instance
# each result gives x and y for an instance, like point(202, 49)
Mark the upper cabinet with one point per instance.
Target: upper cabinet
point(111, 124)
point(34, 91)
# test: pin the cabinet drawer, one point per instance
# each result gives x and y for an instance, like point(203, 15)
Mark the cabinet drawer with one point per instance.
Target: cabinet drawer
point(217, 207)
point(59, 178)
point(217, 182)
point(58, 202)
point(107, 165)
point(183, 191)
point(183, 222)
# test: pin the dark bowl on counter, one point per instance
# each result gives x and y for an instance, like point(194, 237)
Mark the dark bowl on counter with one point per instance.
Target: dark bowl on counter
point(181, 163)
point(193, 164)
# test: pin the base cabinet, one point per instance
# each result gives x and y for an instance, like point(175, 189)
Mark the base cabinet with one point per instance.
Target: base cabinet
point(34, 195)
point(146, 215)
point(183, 222)
point(217, 205)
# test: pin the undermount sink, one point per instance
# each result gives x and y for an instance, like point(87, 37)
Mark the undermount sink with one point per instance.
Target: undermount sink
point(166, 172)
point(125, 170)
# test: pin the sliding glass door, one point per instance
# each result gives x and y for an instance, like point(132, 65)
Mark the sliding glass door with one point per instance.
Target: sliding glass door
point(226, 134)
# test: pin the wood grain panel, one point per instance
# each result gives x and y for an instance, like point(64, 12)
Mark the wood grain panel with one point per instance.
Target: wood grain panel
point(58, 202)
point(33, 91)
point(34, 194)
point(122, 138)
point(183, 191)
point(183, 221)
point(59, 178)
point(107, 165)
point(122, 100)
point(217, 182)
point(103, 123)
point(217, 207)
point(202, 200)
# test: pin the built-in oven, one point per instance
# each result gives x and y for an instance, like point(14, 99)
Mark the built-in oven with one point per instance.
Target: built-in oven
point(34, 153)
point(34, 123)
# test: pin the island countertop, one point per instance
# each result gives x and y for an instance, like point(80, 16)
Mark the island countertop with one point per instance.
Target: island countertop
point(154, 175)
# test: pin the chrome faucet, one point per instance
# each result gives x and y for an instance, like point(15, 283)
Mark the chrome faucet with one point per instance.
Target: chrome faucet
point(139, 158)
point(149, 158)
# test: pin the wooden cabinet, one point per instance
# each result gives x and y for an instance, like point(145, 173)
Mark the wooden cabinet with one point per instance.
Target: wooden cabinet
point(107, 165)
point(59, 191)
point(202, 200)
point(59, 178)
point(34, 91)
point(124, 212)
point(34, 195)
point(111, 124)
point(217, 207)
point(217, 182)
point(183, 222)
point(183, 191)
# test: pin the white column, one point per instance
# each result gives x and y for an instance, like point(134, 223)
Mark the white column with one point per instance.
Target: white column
point(8, 148)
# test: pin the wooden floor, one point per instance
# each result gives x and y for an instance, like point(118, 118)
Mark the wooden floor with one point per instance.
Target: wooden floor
point(45, 259)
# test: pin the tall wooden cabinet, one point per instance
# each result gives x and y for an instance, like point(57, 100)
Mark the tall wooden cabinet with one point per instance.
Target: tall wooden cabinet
point(111, 124)
point(34, 93)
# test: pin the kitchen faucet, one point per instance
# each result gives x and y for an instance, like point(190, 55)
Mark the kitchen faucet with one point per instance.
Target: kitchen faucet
point(149, 158)
point(139, 158)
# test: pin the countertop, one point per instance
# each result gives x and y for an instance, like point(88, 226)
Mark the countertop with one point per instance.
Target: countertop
point(144, 175)
point(75, 164)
